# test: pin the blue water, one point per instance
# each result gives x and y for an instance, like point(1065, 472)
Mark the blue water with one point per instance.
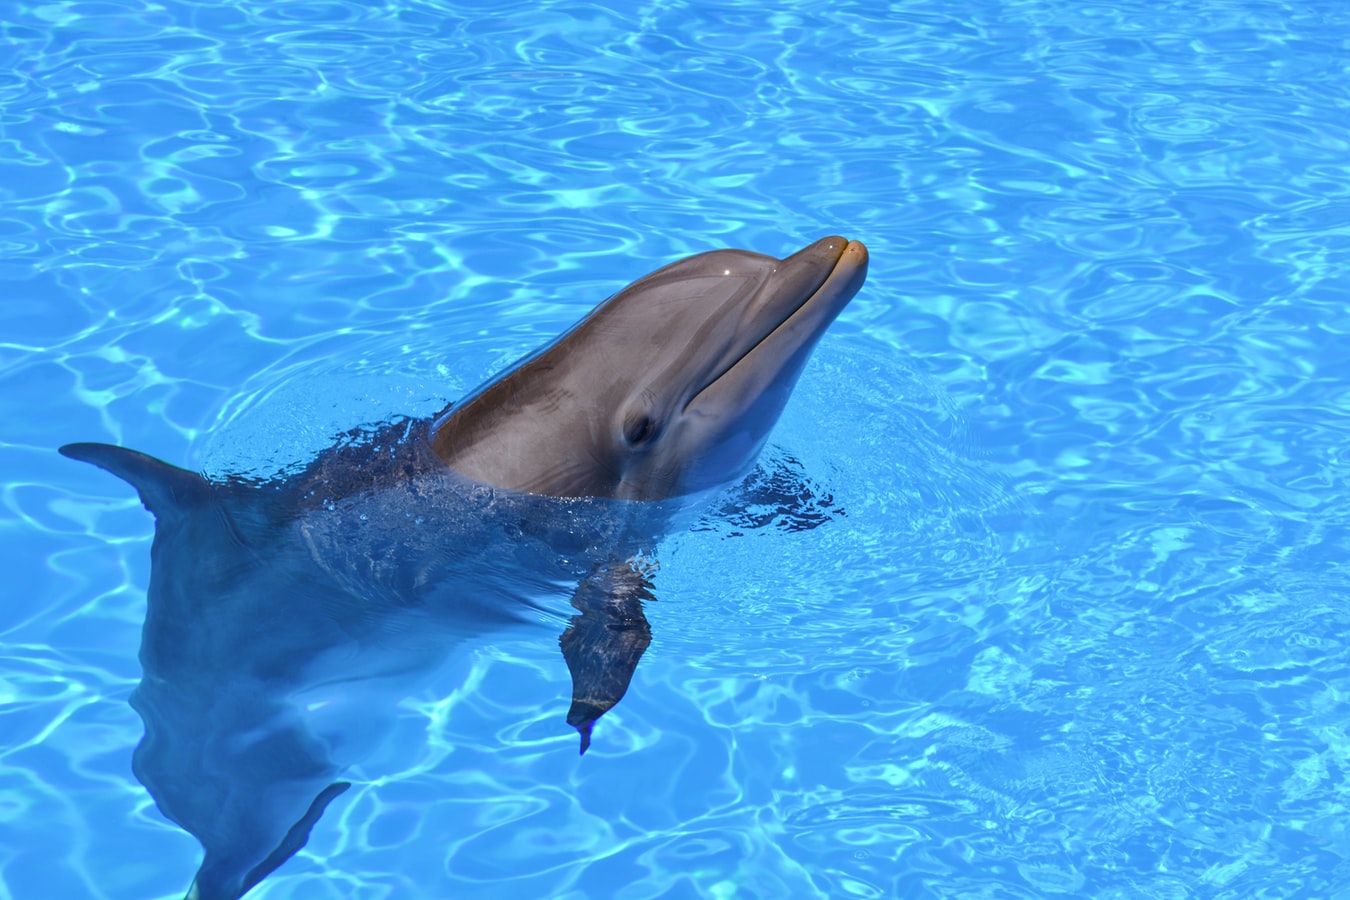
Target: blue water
point(1078, 625)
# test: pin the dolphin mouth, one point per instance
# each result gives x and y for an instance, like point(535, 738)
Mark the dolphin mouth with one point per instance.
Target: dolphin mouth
point(817, 282)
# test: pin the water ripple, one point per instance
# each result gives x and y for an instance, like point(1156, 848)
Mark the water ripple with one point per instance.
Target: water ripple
point(1075, 625)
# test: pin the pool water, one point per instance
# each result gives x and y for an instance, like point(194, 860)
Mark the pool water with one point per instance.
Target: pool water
point(1076, 624)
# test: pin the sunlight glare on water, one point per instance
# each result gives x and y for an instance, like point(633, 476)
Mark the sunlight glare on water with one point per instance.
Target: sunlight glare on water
point(1064, 612)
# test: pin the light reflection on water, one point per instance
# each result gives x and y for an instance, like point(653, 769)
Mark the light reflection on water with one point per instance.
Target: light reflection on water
point(1073, 626)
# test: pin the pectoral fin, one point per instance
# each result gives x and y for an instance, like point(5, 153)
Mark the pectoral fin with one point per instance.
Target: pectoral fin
point(604, 642)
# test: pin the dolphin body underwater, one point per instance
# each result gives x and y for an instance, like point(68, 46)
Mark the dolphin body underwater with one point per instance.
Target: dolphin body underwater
point(277, 609)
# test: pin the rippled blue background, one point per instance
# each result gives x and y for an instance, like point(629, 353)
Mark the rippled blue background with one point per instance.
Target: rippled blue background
point(1081, 630)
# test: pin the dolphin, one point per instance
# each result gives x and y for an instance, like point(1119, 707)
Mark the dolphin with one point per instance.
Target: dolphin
point(668, 388)
point(286, 616)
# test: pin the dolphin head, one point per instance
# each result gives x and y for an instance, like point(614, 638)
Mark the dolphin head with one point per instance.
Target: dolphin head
point(668, 388)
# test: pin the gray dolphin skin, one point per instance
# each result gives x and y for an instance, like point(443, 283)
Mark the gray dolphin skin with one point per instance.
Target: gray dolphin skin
point(286, 617)
point(669, 387)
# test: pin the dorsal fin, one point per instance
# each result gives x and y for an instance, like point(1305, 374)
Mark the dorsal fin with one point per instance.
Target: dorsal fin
point(164, 489)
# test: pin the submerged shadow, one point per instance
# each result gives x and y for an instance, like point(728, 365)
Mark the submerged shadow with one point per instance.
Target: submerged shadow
point(287, 616)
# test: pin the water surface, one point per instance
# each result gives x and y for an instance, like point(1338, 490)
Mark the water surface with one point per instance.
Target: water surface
point(1077, 624)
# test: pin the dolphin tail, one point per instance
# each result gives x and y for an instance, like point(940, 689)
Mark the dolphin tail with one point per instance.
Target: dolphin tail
point(213, 882)
point(297, 837)
point(165, 490)
point(603, 644)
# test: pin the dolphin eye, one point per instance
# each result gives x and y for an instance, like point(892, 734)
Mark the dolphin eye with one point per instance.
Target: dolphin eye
point(639, 430)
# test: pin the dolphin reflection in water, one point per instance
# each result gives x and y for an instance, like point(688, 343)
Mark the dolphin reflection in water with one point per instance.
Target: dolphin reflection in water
point(275, 607)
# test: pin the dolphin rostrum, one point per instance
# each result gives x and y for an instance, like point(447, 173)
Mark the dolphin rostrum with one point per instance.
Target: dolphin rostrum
point(282, 615)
